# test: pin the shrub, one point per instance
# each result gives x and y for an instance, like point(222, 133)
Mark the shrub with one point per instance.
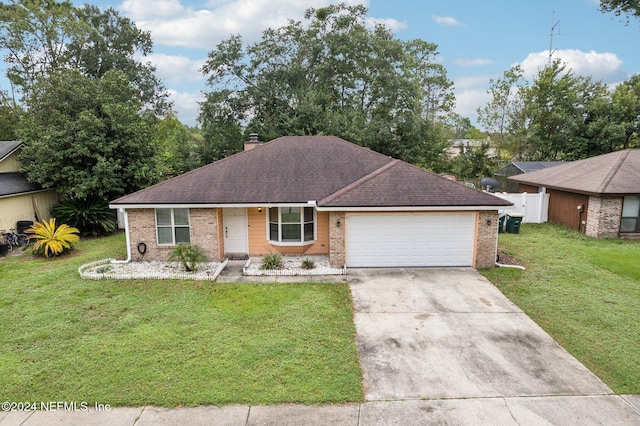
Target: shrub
point(271, 260)
point(52, 240)
point(92, 215)
point(188, 255)
point(308, 264)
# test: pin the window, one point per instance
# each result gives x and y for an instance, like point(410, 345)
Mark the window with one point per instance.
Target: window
point(630, 214)
point(172, 226)
point(293, 225)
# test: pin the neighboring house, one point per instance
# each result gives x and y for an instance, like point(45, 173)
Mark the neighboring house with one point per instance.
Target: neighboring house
point(19, 199)
point(599, 196)
point(316, 195)
point(517, 168)
point(460, 146)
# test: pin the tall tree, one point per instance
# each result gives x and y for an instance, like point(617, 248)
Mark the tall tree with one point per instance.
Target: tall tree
point(331, 74)
point(42, 36)
point(86, 137)
point(554, 108)
point(500, 116)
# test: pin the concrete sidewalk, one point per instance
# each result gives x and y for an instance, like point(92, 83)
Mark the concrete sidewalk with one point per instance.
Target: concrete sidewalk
point(550, 410)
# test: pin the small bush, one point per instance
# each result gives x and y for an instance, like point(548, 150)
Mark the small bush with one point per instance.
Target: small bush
point(271, 260)
point(308, 264)
point(92, 215)
point(188, 255)
point(52, 240)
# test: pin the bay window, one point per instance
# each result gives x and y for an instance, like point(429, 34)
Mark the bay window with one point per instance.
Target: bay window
point(292, 225)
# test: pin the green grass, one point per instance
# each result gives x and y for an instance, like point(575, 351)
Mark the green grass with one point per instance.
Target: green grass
point(170, 343)
point(585, 292)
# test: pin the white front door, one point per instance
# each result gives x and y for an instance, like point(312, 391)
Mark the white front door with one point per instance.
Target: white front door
point(235, 231)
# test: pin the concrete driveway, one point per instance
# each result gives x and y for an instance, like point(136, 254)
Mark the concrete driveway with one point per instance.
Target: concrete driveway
point(449, 334)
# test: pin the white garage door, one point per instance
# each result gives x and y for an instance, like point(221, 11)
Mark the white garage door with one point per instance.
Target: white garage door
point(416, 239)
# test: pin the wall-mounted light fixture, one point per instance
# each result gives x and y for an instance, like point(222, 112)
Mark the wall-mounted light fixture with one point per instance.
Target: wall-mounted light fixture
point(488, 222)
point(259, 209)
point(338, 223)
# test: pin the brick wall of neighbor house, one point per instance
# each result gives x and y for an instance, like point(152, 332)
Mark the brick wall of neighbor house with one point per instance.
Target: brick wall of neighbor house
point(486, 236)
point(204, 232)
point(337, 240)
point(603, 217)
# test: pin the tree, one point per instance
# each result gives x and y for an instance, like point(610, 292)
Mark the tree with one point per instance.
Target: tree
point(500, 115)
point(178, 146)
point(557, 109)
point(43, 36)
point(331, 74)
point(631, 8)
point(86, 137)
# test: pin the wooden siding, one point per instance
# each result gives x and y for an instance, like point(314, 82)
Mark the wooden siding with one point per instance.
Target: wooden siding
point(563, 208)
point(529, 189)
point(258, 244)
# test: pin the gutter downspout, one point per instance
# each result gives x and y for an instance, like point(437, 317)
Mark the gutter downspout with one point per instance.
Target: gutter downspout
point(126, 230)
point(500, 265)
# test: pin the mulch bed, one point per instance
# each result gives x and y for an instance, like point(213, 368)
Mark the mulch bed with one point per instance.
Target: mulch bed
point(507, 259)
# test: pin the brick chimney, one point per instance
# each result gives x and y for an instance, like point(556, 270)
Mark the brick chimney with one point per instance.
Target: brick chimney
point(252, 142)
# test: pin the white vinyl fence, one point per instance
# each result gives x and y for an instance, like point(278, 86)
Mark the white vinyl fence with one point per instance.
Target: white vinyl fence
point(534, 207)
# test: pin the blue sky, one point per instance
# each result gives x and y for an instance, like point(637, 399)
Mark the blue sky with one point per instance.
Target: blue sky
point(477, 40)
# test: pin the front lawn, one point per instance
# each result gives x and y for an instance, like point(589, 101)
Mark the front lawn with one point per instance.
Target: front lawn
point(170, 343)
point(585, 292)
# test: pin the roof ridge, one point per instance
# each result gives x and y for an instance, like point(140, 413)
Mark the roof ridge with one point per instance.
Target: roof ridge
point(19, 145)
point(614, 170)
point(359, 182)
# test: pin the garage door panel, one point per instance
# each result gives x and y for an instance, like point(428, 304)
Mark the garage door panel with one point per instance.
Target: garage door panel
point(420, 239)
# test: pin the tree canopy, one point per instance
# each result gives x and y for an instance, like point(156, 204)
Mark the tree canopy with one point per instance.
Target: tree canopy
point(86, 137)
point(88, 120)
point(630, 8)
point(40, 37)
point(331, 74)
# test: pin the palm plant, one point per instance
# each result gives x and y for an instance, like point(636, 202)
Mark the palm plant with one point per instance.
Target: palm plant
point(91, 215)
point(188, 255)
point(52, 240)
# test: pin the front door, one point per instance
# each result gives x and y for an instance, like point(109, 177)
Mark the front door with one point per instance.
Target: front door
point(235, 231)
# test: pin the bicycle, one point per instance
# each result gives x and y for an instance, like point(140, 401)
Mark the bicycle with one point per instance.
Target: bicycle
point(14, 239)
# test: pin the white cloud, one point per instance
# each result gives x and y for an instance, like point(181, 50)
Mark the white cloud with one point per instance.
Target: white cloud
point(152, 9)
point(446, 20)
point(173, 24)
point(176, 69)
point(472, 81)
point(600, 66)
point(393, 24)
point(474, 62)
point(187, 105)
point(468, 101)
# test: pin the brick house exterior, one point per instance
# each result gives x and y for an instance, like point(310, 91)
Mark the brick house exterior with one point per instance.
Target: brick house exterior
point(236, 206)
point(599, 196)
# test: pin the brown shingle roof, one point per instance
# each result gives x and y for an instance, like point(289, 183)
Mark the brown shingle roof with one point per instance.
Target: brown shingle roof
point(616, 173)
point(298, 169)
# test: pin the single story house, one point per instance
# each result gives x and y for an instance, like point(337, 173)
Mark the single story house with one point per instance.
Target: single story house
point(20, 200)
point(316, 195)
point(517, 168)
point(599, 196)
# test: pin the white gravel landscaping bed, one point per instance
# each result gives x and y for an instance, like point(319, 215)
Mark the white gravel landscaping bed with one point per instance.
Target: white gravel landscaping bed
point(292, 265)
point(104, 269)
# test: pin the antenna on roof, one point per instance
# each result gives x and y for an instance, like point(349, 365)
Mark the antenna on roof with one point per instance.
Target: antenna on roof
point(554, 24)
